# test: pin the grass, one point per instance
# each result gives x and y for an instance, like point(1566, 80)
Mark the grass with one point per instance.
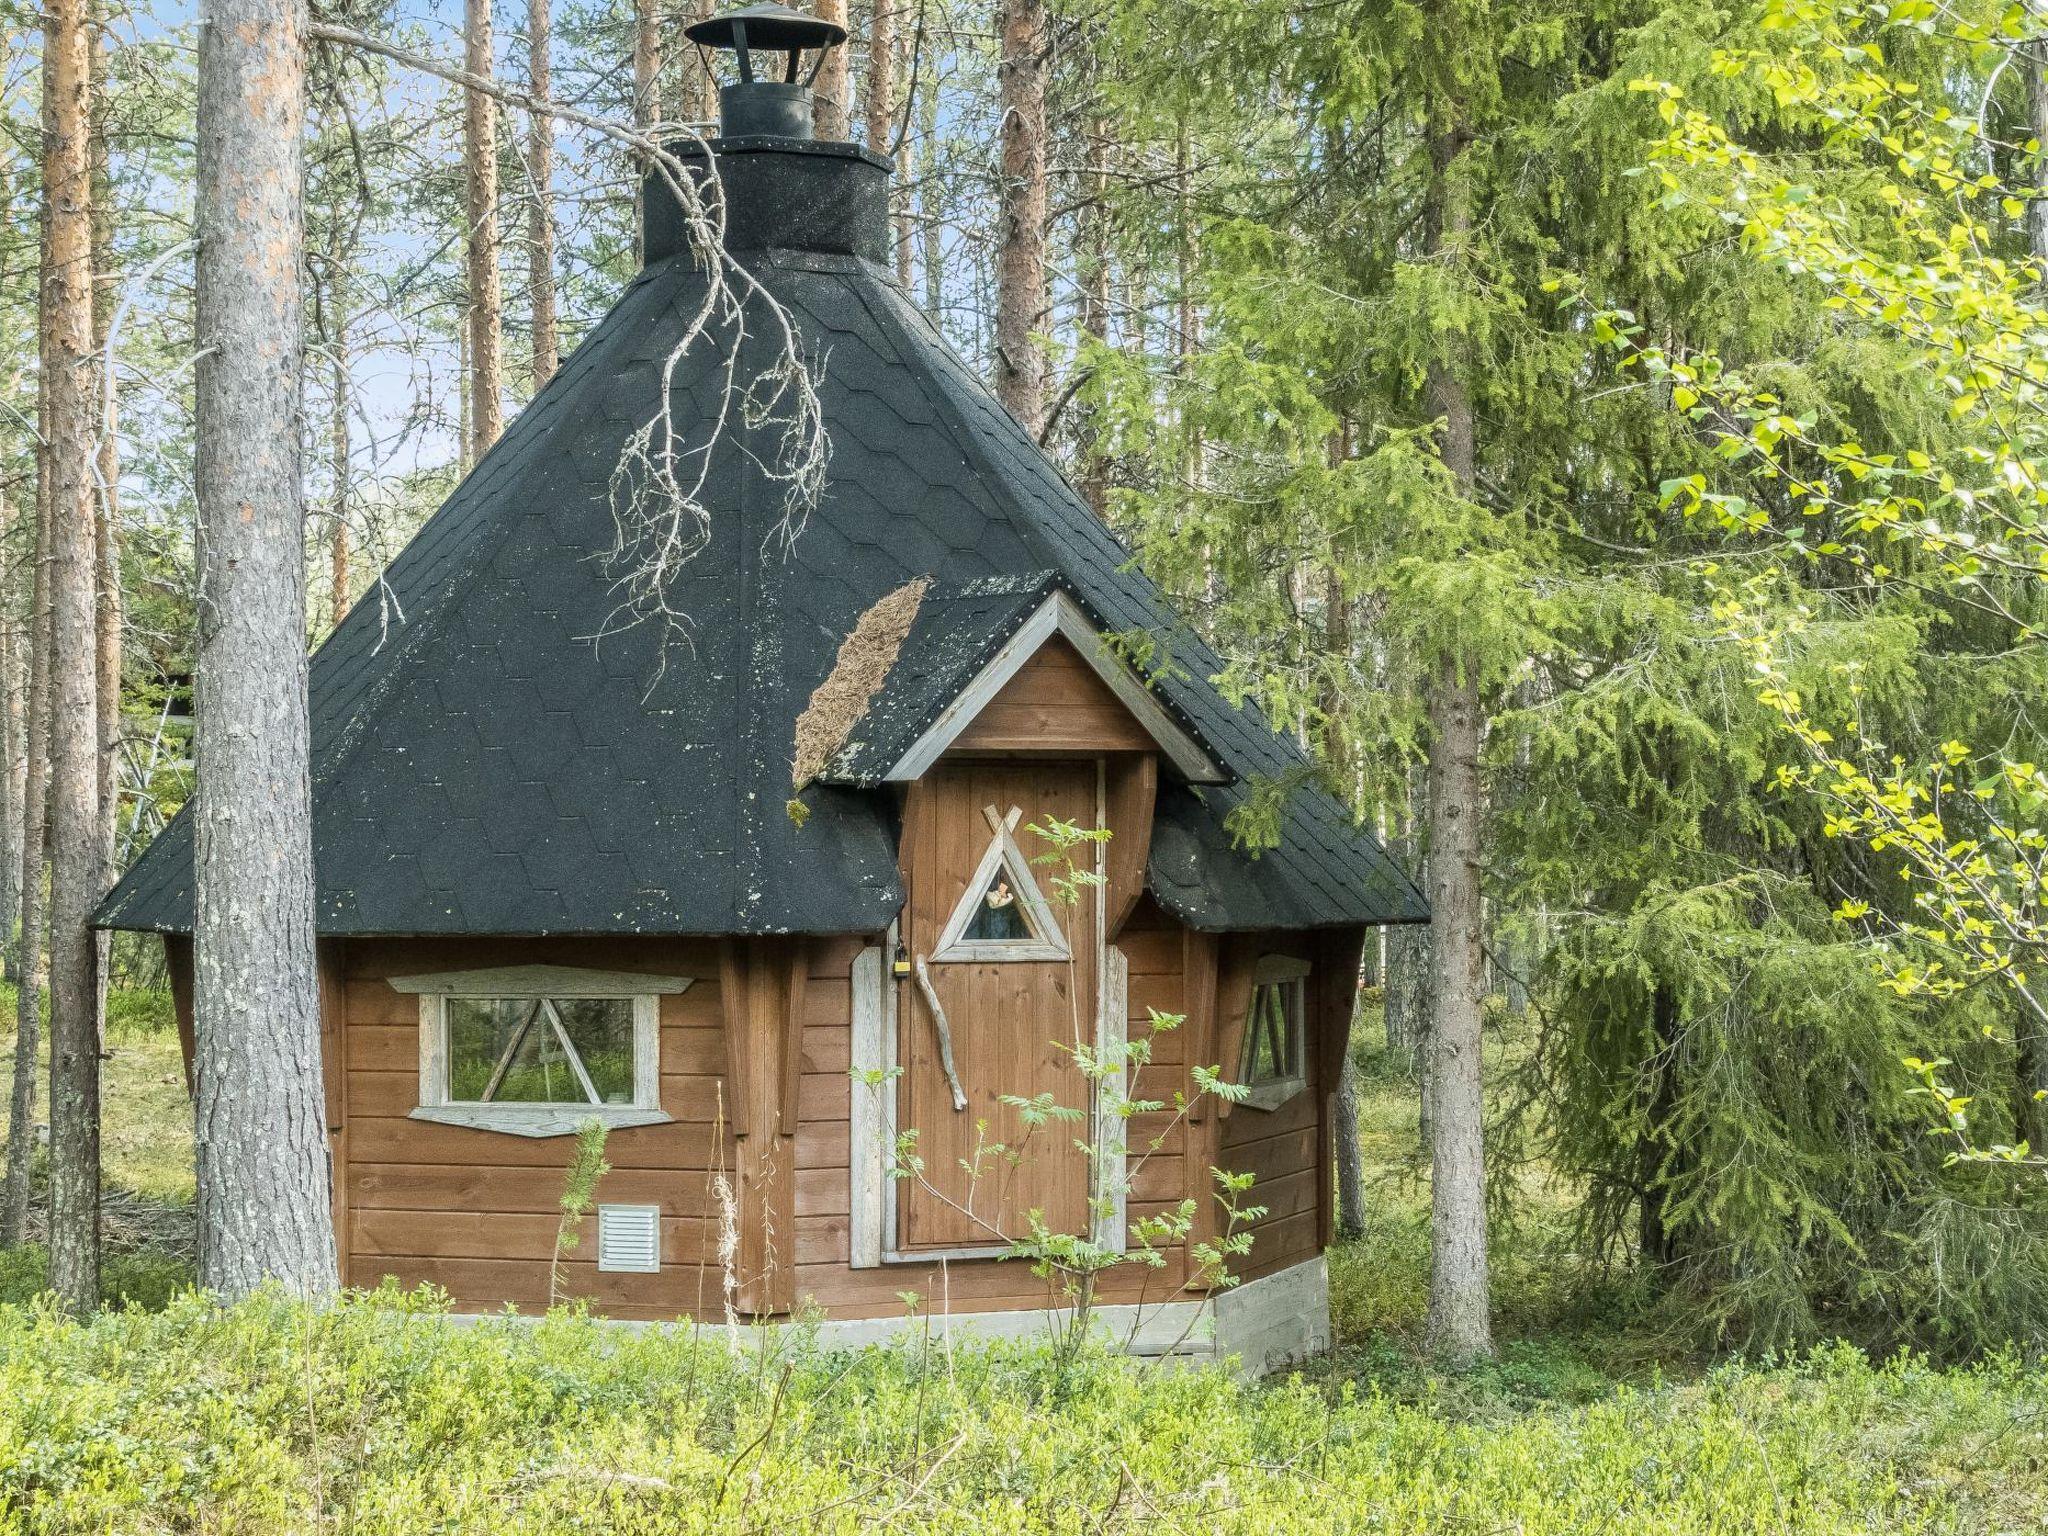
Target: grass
point(271, 1418)
point(1567, 1330)
point(146, 1117)
point(145, 1150)
point(164, 1414)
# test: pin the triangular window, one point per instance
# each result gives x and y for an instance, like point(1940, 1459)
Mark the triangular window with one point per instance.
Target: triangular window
point(1002, 915)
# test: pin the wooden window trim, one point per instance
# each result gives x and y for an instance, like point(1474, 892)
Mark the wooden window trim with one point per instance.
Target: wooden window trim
point(1272, 971)
point(1060, 614)
point(526, 983)
point(1003, 854)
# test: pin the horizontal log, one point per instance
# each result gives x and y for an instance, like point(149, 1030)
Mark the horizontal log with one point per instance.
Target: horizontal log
point(395, 1094)
point(502, 1235)
point(680, 1145)
point(504, 1187)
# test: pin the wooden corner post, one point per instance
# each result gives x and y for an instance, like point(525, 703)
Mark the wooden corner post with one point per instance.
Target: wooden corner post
point(762, 982)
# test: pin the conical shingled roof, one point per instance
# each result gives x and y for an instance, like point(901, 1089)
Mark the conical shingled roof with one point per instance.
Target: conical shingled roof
point(481, 765)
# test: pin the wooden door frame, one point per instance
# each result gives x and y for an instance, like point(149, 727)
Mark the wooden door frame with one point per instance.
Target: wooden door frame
point(872, 1228)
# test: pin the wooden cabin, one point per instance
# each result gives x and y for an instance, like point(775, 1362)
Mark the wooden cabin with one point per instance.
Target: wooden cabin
point(765, 896)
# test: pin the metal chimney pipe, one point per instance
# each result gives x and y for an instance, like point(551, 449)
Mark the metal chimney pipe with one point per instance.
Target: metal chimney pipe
point(754, 107)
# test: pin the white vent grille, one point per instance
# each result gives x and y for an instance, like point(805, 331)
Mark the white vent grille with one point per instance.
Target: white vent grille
point(629, 1238)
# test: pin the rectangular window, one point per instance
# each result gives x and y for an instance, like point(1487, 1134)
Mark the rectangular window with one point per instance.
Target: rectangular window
point(542, 1050)
point(1273, 1063)
point(536, 1051)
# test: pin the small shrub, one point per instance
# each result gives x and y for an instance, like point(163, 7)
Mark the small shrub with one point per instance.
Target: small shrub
point(143, 1279)
point(135, 1014)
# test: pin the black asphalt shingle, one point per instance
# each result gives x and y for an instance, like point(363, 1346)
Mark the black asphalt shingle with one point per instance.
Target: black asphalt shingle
point(482, 765)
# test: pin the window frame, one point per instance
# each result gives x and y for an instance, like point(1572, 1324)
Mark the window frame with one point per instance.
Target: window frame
point(1292, 973)
point(529, 984)
point(1003, 855)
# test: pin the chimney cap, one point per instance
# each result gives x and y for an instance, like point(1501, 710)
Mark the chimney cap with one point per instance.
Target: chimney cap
point(765, 25)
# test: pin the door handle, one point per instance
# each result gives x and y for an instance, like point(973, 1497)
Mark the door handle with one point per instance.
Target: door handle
point(931, 1001)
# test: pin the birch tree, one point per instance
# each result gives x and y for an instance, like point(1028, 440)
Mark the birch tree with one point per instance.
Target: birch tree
point(263, 1170)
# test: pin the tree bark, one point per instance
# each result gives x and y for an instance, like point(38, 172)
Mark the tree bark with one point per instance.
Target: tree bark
point(2032, 1060)
point(906, 232)
point(74, 800)
point(1094, 315)
point(264, 1208)
point(11, 796)
point(339, 591)
point(646, 100)
point(830, 90)
point(931, 213)
point(1407, 992)
point(31, 974)
point(699, 92)
point(1020, 251)
point(486, 297)
point(647, 42)
point(2036, 61)
point(540, 212)
point(1459, 1329)
point(1654, 1238)
point(109, 613)
point(880, 100)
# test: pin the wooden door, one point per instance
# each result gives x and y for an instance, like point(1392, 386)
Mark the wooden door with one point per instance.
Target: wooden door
point(1013, 1014)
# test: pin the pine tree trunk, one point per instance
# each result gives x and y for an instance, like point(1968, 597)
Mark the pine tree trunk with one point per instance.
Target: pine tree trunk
point(931, 213)
point(1407, 993)
point(2033, 1035)
point(486, 298)
point(339, 593)
point(1459, 1329)
point(830, 88)
point(880, 102)
point(699, 92)
point(32, 974)
point(109, 609)
point(540, 213)
point(1094, 315)
point(1654, 1237)
point(2036, 60)
point(1188, 343)
point(11, 797)
point(1336, 754)
point(1350, 1151)
point(74, 801)
point(465, 452)
point(1020, 252)
point(646, 98)
point(906, 233)
point(261, 1118)
point(1408, 950)
point(646, 64)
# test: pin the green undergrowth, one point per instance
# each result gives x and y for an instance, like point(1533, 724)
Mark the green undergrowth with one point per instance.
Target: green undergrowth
point(273, 1418)
point(142, 1277)
point(145, 1114)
